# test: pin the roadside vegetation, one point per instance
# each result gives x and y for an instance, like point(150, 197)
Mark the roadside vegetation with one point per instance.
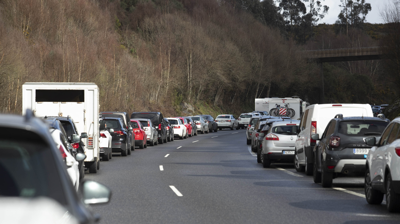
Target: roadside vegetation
point(217, 55)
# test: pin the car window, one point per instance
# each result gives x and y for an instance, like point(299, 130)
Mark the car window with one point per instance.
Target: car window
point(246, 116)
point(195, 118)
point(393, 135)
point(385, 135)
point(331, 128)
point(68, 128)
point(253, 121)
point(224, 116)
point(64, 142)
point(285, 129)
point(173, 121)
point(144, 123)
point(362, 127)
point(304, 120)
point(114, 124)
point(134, 124)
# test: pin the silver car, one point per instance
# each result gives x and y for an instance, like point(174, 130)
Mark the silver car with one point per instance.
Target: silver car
point(244, 119)
point(250, 129)
point(151, 132)
point(201, 124)
point(226, 121)
point(279, 143)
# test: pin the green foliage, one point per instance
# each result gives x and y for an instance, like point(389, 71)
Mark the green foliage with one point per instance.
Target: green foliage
point(177, 101)
point(117, 23)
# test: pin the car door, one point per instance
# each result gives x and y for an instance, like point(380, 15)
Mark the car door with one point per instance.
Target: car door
point(323, 144)
point(377, 164)
point(300, 141)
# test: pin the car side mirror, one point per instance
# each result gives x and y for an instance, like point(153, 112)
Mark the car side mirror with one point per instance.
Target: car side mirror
point(80, 157)
point(94, 193)
point(371, 141)
point(76, 138)
point(315, 136)
point(111, 130)
point(84, 135)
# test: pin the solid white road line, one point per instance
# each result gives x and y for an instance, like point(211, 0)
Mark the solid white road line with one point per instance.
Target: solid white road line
point(161, 168)
point(195, 141)
point(289, 172)
point(179, 147)
point(349, 192)
point(173, 188)
point(251, 153)
point(371, 215)
point(215, 137)
point(166, 155)
point(235, 132)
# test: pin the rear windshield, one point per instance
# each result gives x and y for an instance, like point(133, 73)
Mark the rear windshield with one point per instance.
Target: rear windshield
point(68, 128)
point(208, 117)
point(173, 121)
point(195, 118)
point(144, 123)
point(253, 121)
point(224, 116)
point(246, 116)
point(152, 116)
point(285, 130)
point(134, 124)
point(362, 128)
point(114, 124)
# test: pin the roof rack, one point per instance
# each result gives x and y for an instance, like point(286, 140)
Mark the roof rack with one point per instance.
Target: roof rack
point(340, 116)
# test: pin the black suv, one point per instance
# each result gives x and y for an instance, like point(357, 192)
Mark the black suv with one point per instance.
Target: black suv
point(158, 121)
point(126, 124)
point(120, 137)
point(342, 150)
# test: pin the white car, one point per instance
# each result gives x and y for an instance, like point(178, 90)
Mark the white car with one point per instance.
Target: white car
point(314, 121)
point(383, 168)
point(226, 121)
point(244, 119)
point(63, 145)
point(201, 124)
point(180, 129)
point(105, 145)
point(151, 132)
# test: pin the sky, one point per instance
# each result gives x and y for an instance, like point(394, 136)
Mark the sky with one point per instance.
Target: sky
point(372, 17)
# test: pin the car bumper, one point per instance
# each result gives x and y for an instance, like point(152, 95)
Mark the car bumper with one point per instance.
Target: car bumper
point(105, 150)
point(224, 125)
point(280, 157)
point(350, 167)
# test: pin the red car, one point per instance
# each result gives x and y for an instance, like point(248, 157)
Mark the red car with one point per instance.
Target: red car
point(187, 125)
point(140, 134)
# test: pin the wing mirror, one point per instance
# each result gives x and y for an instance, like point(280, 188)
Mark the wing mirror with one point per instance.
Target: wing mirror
point(315, 136)
point(94, 193)
point(84, 135)
point(76, 138)
point(371, 141)
point(80, 157)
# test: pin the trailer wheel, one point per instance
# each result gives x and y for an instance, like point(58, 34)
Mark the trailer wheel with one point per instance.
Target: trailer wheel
point(93, 167)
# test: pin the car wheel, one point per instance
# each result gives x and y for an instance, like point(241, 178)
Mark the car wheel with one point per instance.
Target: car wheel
point(232, 127)
point(160, 141)
point(93, 167)
point(308, 168)
point(265, 161)
point(237, 127)
point(392, 199)
point(165, 140)
point(297, 166)
point(152, 143)
point(259, 155)
point(326, 179)
point(106, 157)
point(216, 129)
point(110, 154)
point(373, 197)
point(129, 150)
point(98, 165)
point(248, 141)
point(316, 174)
point(141, 146)
point(220, 129)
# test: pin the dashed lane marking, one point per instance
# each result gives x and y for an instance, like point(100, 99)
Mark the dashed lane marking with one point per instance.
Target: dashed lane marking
point(371, 215)
point(179, 147)
point(289, 172)
point(215, 137)
point(349, 192)
point(173, 188)
point(166, 155)
point(195, 141)
point(161, 168)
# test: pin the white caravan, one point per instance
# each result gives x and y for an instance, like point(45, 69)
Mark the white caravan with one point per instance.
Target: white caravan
point(289, 106)
point(77, 100)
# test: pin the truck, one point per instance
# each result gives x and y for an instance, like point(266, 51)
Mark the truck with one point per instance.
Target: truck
point(80, 101)
point(289, 106)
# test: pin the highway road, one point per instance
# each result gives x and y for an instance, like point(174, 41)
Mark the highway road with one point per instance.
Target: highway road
point(214, 178)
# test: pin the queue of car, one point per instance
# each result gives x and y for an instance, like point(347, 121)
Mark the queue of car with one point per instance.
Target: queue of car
point(331, 141)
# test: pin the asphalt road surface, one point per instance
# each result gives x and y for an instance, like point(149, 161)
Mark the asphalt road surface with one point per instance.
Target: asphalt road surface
point(214, 178)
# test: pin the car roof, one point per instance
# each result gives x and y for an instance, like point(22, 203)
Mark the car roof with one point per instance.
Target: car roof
point(276, 123)
point(361, 119)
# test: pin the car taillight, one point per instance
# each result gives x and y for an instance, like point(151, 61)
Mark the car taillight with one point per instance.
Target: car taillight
point(334, 142)
point(148, 123)
point(102, 135)
point(119, 132)
point(159, 127)
point(167, 128)
point(397, 151)
point(216, 120)
point(228, 120)
point(257, 135)
point(313, 130)
point(90, 142)
point(197, 122)
point(260, 146)
point(177, 127)
point(271, 137)
point(62, 151)
point(75, 145)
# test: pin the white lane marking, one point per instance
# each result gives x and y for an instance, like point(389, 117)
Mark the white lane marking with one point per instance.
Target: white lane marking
point(235, 133)
point(195, 141)
point(349, 192)
point(371, 215)
point(166, 155)
point(251, 152)
point(289, 172)
point(161, 168)
point(215, 137)
point(173, 188)
point(179, 147)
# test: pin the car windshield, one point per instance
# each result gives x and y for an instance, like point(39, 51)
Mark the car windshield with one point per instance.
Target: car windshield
point(195, 118)
point(144, 123)
point(224, 116)
point(208, 118)
point(27, 167)
point(134, 124)
point(285, 129)
point(114, 124)
point(362, 127)
point(152, 116)
point(246, 116)
point(68, 128)
point(173, 121)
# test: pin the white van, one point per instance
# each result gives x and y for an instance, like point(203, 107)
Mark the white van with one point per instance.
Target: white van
point(314, 121)
point(80, 101)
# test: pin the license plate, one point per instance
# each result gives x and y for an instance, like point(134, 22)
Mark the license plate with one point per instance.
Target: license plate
point(288, 152)
point(360, 151)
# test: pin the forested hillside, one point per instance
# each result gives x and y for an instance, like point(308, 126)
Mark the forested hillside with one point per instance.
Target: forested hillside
point(156, 54)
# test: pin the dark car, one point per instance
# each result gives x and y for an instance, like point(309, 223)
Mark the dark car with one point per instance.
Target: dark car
point(342, 150)
point(31, 167)
point(194, 126)
point(119, 135)
point(70, 129)
point(212, 125)
point(126, 121)
point(158, 121)
point(376, 109)
point(170, 130)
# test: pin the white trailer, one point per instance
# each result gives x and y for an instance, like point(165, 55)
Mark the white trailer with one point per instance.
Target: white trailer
point(288, 106)
point(80, 101)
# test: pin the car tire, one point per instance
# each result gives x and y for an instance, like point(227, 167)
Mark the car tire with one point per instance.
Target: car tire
point(316, 174)
point(237, 127)
point(220, 129)
point(161, 141)
point(259, 156)
point(98, 165)
point(392, 199)
point(110, 155)
point(165, 140)
point(373, 197)
point(297, 166)
point(106, 157)
point(232, 127)
point(141, 145)
point(93, 167)
point(326, 179)
point(129, 150)
point(265, 161)
point(248, 142)
point(124, 152)
point(308, 169)
point(152, 143)
point(216, 129)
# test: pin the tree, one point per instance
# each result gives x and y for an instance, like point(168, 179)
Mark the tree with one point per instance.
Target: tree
point(317, 10)
point(292, 11)
point(353, 13)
